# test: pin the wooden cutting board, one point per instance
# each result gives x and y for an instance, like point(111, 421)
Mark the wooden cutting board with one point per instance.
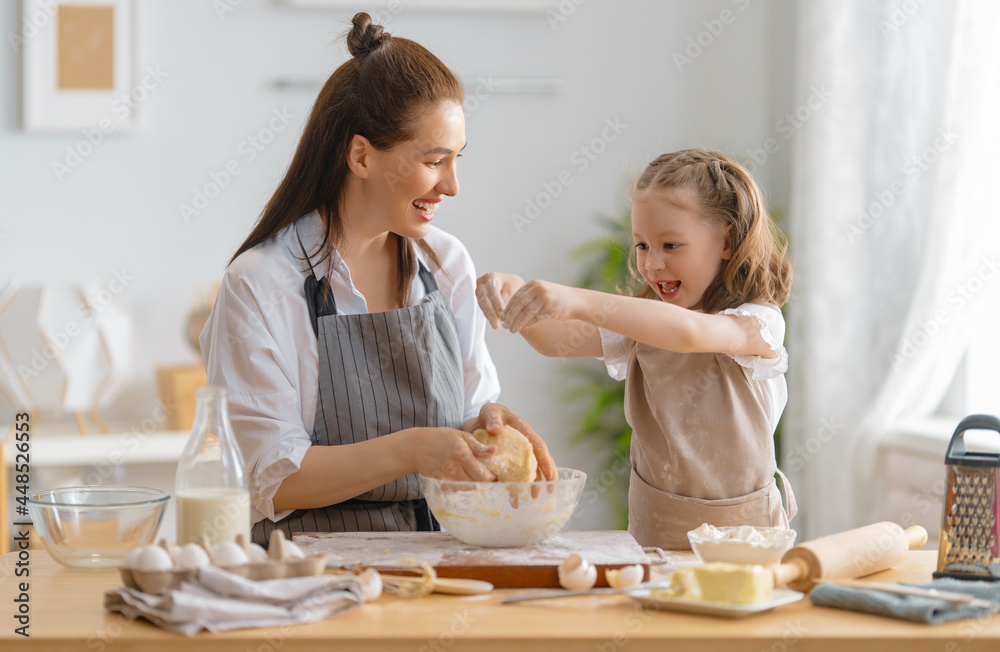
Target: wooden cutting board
point(530, 566)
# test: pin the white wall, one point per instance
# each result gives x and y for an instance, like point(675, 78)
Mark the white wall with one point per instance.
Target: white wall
point(120, 207)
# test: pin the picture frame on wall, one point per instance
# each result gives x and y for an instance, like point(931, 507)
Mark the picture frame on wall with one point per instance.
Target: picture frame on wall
point(79, 65)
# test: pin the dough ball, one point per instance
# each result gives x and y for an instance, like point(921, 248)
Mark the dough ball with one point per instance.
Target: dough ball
point(514, 459)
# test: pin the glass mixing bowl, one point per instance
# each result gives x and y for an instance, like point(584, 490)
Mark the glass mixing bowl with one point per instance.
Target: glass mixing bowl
point(93, 528)
point(504, 514)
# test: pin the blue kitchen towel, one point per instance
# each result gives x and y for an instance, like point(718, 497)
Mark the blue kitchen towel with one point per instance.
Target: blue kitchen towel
point(932, 611)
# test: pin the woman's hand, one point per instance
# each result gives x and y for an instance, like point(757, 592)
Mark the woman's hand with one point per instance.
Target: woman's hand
point(494, 416)
point(538, 300)
point(494, 290)
point(449, 454)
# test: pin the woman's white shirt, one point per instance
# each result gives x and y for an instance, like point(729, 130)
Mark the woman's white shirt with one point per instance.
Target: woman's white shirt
point(259, 344)
point(766, 375)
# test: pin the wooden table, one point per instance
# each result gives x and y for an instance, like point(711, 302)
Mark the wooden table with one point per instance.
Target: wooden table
point(66, 613)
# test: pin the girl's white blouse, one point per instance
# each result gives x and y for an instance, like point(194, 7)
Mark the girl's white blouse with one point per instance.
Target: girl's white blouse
point(259, 344)
point(766, 375)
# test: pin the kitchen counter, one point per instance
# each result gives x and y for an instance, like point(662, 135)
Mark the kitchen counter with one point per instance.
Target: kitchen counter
point(66, 611)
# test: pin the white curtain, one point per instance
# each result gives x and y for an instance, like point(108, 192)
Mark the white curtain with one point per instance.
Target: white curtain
point(894, 228)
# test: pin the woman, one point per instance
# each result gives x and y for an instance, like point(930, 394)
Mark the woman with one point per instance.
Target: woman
point(346, 328)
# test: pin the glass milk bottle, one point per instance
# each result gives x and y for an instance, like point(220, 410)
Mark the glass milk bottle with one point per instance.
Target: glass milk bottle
point(213, 499)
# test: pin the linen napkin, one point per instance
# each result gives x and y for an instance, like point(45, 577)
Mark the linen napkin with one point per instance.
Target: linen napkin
point(932, 611)
point(217, 600)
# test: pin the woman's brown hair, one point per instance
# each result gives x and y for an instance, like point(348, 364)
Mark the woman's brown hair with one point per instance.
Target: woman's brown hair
point(379, 93)
point(759, 270)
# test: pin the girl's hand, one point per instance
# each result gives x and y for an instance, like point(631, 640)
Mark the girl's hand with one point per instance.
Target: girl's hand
point(535, 301)
point(450, 454)
point(493, 417)
point(494, 290)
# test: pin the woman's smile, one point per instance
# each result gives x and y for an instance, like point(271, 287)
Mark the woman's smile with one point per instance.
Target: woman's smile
point(425, 208)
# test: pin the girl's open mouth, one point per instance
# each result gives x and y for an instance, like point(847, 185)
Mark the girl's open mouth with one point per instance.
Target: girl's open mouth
point(668, 289)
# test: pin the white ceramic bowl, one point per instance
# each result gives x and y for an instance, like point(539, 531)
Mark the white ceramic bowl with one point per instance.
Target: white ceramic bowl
point(504, 514)
point(95, 527)
point(738, 550)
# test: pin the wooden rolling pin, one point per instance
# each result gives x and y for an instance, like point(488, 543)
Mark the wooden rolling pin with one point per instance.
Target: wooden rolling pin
point(847, 555)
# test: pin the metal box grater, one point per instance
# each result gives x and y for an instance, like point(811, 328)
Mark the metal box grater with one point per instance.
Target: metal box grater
point(969, 543)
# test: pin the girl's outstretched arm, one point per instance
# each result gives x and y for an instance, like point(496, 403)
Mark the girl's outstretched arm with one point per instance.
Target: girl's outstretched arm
point(555, 339)
point(651, 322)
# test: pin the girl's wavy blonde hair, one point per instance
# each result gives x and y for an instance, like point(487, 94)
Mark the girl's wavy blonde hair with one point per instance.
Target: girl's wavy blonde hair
point(759, 270)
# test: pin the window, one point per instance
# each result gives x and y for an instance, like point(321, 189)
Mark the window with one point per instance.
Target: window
point(976, 386)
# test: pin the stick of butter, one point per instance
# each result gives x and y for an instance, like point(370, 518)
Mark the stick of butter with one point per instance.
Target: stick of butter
point(722, 582)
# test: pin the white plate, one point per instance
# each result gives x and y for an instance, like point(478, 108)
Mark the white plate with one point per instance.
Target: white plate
point(778, 598)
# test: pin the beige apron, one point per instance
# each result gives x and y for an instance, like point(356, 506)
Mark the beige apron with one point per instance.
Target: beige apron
point(702, 448)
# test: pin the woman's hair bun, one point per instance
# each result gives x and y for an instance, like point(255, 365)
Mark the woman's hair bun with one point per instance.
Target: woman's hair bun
point(365, 37)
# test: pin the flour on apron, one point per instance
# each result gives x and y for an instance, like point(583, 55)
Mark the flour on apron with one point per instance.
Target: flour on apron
point(379, 373)
point(702, 448)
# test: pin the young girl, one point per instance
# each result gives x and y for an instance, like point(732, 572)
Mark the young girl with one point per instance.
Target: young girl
point(700, 348)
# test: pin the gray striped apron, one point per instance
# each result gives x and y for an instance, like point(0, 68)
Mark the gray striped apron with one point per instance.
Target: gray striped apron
point(379, 373)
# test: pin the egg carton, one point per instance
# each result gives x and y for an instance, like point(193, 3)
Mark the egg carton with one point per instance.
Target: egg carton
point(281, 563)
